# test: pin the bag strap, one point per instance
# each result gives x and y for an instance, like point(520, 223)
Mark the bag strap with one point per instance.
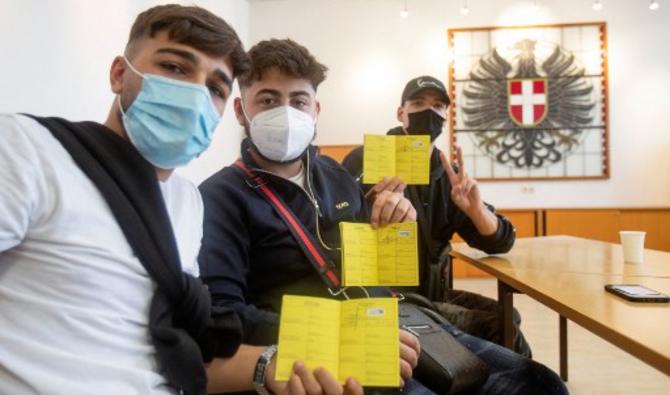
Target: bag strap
point(321, 263)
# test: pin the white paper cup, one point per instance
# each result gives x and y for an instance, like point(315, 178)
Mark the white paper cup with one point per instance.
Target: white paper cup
point(633, 245)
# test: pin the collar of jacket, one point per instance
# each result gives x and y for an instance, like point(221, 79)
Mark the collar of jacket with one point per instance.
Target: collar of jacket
point(436, 169)
point(311, 153)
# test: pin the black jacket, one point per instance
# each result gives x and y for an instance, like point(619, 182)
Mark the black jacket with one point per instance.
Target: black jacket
point(443, 217)
point(249, 258)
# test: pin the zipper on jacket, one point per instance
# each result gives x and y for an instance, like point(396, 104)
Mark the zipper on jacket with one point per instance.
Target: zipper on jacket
point(311, 197)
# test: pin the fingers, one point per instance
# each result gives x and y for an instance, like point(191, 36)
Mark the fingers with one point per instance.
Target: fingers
point(410, 340)
point(392, 184)
point(396, 184)
point(456, 192)
point(405, 370)
point(400, 212)
point(451, 174)
point(328, 382)
point(391, 207)
point(409, 354)
point(459, 158)
point(309, 383)
point(469, 184)
point(390, 204)
point(352, 387)
point(383, 208)
point(376, 211)
point(294, 385)
point(410, 216)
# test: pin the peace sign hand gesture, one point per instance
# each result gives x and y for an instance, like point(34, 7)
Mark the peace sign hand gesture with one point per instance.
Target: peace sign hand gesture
point(464, 190)
point(465, 194)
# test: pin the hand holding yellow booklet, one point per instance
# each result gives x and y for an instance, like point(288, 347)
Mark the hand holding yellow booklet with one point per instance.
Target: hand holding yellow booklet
point(353, 338)
point(383, 256)
point(407, 157)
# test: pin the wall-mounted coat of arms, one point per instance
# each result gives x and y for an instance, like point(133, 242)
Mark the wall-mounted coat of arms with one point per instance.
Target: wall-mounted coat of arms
point(530, 102)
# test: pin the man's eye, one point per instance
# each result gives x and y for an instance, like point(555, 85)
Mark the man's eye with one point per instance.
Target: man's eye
point(299, 104)
point(267, 101)
point(173, 68)
point(216, 91)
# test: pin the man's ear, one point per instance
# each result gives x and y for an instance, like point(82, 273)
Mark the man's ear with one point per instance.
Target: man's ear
point(317, 111)
point(399, 113)
point(239, 113)
point(116, 74)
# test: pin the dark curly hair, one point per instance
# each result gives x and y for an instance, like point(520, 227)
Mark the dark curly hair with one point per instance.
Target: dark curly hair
point(288, 56)
point(193, 26)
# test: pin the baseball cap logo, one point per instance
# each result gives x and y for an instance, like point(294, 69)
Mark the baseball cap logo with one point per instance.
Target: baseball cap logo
point(423, 84)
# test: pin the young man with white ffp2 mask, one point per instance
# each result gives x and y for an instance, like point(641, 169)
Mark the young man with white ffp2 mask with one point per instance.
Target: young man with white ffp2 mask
point(280, 134)
point(249, 257)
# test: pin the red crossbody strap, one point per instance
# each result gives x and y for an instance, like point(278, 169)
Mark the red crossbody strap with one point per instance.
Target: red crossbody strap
point(323, 265)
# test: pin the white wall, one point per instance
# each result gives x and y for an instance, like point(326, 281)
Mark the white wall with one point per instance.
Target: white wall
point(55, 59)
point(372, 52)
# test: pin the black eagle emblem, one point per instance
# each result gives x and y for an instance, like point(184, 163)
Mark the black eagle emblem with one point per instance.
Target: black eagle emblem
point(567, 111)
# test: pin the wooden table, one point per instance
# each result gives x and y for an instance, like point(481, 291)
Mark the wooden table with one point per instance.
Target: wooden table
point(568, 275)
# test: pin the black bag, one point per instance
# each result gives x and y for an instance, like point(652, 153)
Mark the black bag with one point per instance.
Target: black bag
point(445, 365)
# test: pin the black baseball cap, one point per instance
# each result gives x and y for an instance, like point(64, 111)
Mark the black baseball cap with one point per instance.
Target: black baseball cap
point(422, 83)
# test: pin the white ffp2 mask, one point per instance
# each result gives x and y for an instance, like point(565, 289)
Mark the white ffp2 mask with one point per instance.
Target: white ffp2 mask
point(281, 134)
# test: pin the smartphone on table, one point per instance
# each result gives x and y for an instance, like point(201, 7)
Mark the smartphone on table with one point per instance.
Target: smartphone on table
point(637, 293)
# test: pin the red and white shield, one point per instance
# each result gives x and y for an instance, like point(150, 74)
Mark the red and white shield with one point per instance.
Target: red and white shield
point(527, 101)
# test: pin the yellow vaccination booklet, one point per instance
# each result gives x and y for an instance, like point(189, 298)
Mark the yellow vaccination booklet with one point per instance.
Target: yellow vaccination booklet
point(407, 157)
point(353, 338)
point(383, 256)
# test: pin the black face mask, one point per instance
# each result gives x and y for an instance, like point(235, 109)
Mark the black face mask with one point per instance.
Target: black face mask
point(425, 122)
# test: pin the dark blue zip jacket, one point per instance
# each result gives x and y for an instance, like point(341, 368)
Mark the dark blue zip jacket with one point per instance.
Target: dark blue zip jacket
point(249, 259)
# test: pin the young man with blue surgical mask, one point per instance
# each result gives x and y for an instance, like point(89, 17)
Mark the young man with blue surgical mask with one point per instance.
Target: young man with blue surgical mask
point(99, 239)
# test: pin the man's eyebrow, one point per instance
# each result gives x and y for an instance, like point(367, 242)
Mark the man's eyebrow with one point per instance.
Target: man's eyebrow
point(224, 77)
point(299, 93)
point(190, 56)
point(272, 92)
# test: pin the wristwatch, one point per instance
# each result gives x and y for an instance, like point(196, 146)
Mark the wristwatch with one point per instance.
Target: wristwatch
point(261, 368)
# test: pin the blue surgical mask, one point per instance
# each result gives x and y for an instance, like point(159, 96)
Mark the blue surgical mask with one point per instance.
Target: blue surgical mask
point(170, 122)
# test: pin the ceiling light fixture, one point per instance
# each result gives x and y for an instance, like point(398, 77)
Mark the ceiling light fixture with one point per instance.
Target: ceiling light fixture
point(404, 13)
point(464, 9)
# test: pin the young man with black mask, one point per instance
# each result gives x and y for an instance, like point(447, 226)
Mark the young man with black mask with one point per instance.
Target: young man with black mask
point(250, 258)
point(451, 203)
